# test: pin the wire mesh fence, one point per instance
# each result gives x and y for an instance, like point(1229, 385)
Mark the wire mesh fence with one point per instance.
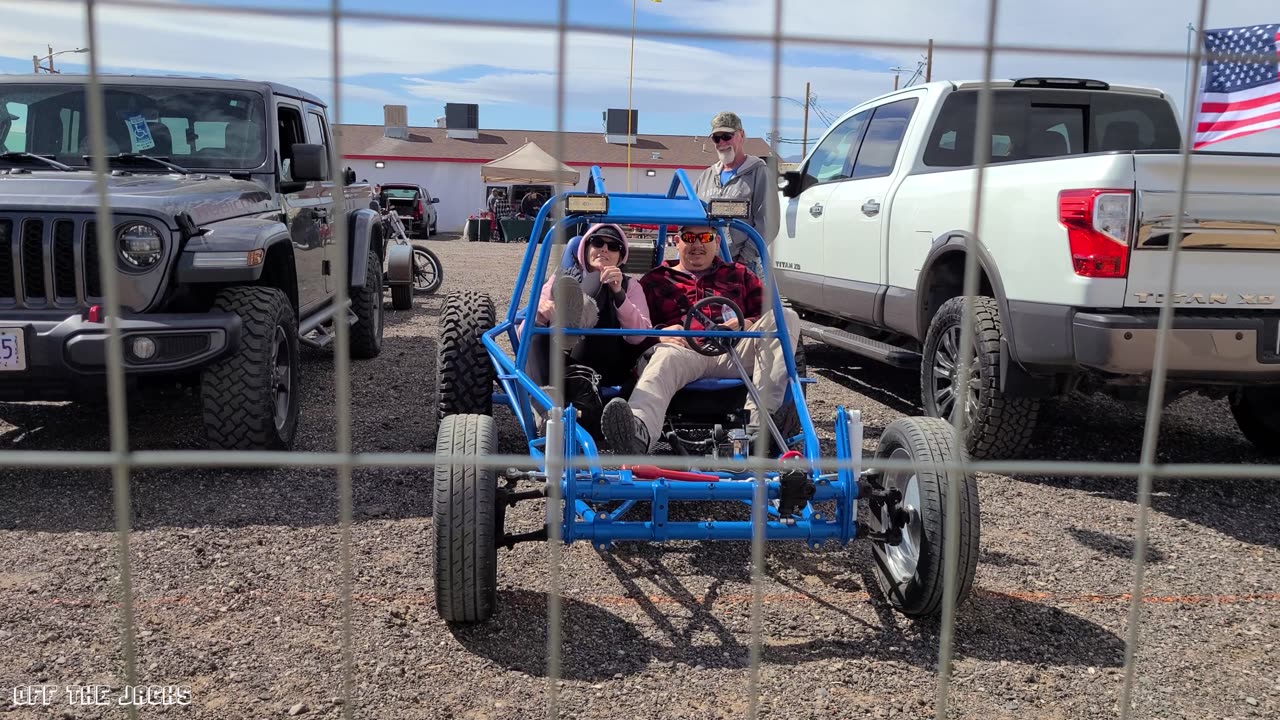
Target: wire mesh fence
point(559, 21)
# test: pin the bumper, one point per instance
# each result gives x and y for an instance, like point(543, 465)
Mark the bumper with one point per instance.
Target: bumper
point(1212, 348)
point(68, 355)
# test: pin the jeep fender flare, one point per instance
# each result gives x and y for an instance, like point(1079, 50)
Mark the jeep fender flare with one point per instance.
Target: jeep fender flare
point(365, 234)
point(239, 235)
point(958, 242)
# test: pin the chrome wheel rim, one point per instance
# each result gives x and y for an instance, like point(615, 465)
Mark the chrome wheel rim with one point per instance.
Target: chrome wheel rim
point(424, 271)
point(946, 375)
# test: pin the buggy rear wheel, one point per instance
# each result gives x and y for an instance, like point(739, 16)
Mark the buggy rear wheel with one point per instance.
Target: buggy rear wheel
point(465, 520)
point(466, 373)
point(911, 572)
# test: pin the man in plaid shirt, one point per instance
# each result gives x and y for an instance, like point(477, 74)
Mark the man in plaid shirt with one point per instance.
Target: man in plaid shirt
point(671, 289)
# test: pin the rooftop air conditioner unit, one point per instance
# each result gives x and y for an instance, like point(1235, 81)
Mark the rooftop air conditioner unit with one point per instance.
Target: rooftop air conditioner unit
point(462, 120)
point(617, 129)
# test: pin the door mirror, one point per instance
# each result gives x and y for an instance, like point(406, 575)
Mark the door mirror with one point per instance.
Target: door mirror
point(789, 183)
point(435, 200)
point(310, 163)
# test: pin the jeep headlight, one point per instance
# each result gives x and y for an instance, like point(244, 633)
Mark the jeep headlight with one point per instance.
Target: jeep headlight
point(140, 245)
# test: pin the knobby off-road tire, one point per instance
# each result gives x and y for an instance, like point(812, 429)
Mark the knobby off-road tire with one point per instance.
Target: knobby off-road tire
point(465, 522)
point(915, 586)
point(366, 333)
point(999, 427)
point(466, 373)
point(1257, 414)
point(242, 394)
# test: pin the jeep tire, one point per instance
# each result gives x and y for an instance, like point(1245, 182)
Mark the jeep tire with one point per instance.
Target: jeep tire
point(366, 302)
point(1000, 427)
point(250, 399)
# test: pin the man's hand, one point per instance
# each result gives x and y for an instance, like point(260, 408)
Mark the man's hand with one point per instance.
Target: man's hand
point(669, 340)
point(612, 277)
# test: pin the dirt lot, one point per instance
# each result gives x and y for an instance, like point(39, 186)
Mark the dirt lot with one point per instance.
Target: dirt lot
point(237, 586)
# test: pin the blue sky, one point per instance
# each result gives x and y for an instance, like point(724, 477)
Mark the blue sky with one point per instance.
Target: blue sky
point(679, 84)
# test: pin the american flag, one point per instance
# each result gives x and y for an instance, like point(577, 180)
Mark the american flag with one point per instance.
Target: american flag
point(1240, 94)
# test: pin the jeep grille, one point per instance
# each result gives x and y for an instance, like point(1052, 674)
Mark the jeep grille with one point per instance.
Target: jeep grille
point(48, 262)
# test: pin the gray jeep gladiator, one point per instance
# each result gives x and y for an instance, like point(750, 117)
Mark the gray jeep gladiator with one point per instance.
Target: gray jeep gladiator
point(223, 216)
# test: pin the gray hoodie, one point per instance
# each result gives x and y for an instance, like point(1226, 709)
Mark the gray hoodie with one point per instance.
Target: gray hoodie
point(753, 181)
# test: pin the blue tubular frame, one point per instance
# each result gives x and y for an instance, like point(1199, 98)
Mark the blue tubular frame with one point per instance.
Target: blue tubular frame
point(584, 490)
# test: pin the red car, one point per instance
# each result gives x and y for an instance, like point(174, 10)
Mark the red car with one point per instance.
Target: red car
point(413, 204)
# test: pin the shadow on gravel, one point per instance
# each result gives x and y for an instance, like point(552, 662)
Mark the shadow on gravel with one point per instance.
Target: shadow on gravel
point(896, 389)
point(1109, 544)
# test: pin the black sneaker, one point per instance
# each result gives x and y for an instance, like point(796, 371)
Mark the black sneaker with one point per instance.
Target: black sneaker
point(624, 431)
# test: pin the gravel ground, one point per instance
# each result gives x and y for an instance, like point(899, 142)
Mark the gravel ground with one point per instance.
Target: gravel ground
point(236, 580)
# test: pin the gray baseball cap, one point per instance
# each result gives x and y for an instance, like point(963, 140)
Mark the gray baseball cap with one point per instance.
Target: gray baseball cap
point(726, 122)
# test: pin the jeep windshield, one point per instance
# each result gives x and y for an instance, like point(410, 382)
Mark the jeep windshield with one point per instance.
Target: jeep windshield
point(198, 128)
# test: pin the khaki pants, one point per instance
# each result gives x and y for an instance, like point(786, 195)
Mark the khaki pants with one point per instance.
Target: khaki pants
point(670, 368)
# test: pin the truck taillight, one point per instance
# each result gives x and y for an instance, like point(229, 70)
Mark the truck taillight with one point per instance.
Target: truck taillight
point(419, 207)
point(1098, 226)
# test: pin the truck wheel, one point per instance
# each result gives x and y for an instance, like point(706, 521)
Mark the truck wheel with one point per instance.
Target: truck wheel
point(466, 372)
point(911, 572)
point(401, 297)
point(1257, 414)
point(999, 426)
point(366, 334)
point(250, 399)
point(465, 519)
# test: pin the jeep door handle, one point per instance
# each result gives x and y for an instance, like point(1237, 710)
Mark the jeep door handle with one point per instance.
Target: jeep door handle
point(815, 209)
point(870, 207)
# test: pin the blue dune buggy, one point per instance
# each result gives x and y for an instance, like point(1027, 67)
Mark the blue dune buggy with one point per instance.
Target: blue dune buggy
point(906, 505)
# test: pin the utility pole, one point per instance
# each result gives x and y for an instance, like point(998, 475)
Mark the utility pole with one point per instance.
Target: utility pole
point(36, 67)
point(804, 152)
point(896, 72)
point(928, 67)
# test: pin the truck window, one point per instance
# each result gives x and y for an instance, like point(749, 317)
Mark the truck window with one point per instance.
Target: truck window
point(291, 133)
point(879, 152)
point(833, 159)
point(315, 130)
point(1029, 124)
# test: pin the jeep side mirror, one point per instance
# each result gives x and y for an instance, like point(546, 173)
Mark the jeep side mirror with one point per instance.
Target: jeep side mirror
point(435, 200)
point(789, 183)
point(310, 163)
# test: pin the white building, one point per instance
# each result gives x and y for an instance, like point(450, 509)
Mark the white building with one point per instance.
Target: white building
point(447, 160)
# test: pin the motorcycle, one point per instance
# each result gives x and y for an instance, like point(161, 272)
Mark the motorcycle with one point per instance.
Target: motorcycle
point(428, 274)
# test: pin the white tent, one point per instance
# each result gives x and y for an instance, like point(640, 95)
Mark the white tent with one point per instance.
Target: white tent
point(529, 164)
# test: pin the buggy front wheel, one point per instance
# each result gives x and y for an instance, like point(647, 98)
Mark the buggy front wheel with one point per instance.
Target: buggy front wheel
point(465, 520)
point(911, 567)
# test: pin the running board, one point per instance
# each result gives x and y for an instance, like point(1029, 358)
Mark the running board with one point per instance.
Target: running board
point(316, 323)
point(874, 349)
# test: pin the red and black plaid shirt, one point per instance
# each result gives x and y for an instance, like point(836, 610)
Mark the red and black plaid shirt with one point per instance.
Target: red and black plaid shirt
point(670, 292)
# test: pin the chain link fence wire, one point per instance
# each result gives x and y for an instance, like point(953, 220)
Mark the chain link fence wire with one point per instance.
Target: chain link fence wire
point(122, 461)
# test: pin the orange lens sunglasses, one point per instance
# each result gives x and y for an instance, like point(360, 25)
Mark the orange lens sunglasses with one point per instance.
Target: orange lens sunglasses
point(702, 237)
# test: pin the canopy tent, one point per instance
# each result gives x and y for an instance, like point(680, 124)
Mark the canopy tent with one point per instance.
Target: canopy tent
point(529, 164)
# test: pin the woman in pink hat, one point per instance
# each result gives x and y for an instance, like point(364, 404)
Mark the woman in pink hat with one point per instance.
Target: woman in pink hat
point(593, 293)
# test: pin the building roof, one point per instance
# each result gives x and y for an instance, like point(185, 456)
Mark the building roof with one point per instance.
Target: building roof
point(367, 142)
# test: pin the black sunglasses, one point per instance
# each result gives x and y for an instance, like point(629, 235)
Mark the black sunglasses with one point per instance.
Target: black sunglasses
point(722, 137)
point(599, 242)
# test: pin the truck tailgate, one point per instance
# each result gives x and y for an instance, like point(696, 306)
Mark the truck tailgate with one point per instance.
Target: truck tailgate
point(1230, 233)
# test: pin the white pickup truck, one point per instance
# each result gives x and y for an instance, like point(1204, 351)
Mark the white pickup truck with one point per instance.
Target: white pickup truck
point(1072, 247)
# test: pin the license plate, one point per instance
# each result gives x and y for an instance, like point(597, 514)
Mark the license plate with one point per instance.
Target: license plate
point(13, 353)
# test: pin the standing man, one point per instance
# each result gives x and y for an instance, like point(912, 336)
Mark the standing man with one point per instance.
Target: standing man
point(739, 176)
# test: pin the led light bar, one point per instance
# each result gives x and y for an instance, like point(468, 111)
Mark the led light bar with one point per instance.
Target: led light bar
point(730, 209)
point(587, 204)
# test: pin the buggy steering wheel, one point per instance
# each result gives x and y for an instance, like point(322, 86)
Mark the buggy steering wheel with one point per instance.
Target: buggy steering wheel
point(713, 346)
